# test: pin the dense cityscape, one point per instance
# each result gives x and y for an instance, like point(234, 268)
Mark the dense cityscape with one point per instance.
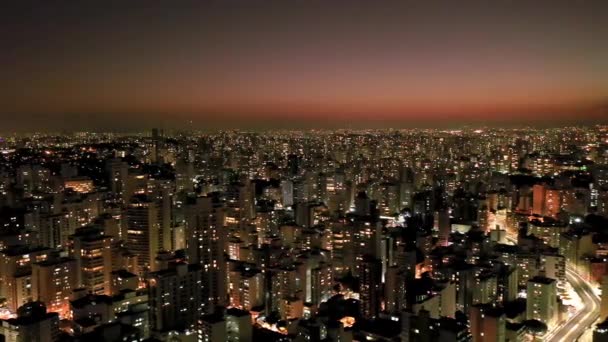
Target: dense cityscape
point(304, 171)
point(343, 235)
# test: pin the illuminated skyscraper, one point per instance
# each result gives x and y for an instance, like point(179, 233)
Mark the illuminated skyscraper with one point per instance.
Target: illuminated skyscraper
point(92, 251)
point(142, 231)
point(53, 281)
point(161, 192)
point(175, 297)
point(206, 244)
point(246, 287)
point(16, 273)
point(238, 325)
point(369, 286)
point(443, 226)
point(239, 198)
point(541, 303)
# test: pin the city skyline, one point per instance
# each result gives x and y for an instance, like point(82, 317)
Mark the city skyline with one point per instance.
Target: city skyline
point(293, 65)
point(304, 171)
point(470, 235)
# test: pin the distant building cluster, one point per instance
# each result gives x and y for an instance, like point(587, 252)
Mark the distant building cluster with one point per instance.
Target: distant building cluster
point(369, 235)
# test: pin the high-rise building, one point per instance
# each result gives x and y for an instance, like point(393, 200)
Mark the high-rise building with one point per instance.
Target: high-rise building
point(246, 287)
point(118, 172)
point(284, 288)
point(287, 193)
point(238, 325)
point(90, 310)
point(443, 226)
point(16, 273)
point(305, 213)
point(388, 203)
point(142, 231)
point(157, 145)
point(33, 323)
point(574, 245)
point(541, 302)
point(240, 203)
point(538, 199)
point(554, 267)
point(485, 288)
point(207, 237)
point(92, 251)
point(161, 192)
point(53, 281)
point(547, 201)
point(487, 323)
point(175, 297)
point(69, 212)
point(137, 316)
point(369, 286)
point(213, 328)
point(184, 175)
point(123, 280)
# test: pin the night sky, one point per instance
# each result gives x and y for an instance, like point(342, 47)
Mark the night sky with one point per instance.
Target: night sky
point(122, 65)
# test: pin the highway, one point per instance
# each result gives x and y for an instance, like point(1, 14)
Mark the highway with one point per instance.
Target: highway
point(584, 318)
point(574, 327)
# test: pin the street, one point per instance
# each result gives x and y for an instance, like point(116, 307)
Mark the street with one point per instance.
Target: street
point(584, 318)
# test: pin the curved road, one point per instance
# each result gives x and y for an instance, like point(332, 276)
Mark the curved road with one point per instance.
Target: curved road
point(584, 318)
